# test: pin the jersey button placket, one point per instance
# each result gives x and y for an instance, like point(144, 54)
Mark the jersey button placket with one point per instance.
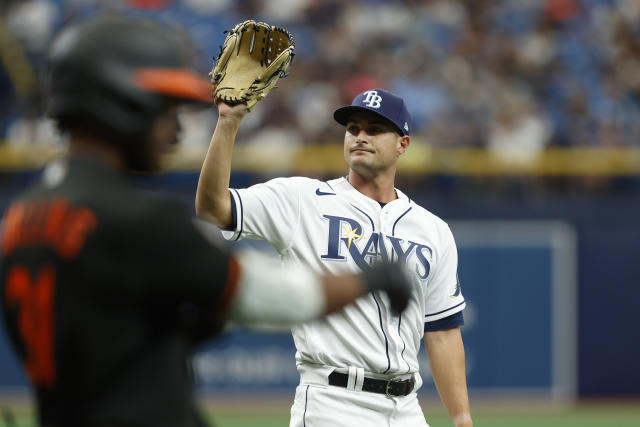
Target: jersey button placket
point(385, 226)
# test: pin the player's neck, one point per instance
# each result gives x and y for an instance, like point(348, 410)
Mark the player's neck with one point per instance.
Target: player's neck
point(84, 145)
point(380, 188)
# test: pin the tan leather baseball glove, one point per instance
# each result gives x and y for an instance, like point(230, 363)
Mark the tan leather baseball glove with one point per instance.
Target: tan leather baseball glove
point(254, 56)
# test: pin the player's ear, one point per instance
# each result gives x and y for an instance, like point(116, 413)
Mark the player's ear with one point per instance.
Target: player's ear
point(403, 144)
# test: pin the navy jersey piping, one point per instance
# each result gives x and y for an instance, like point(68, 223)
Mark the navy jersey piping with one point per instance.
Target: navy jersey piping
point(234, 215)
point(393, 232)
point(304, 416)
point(404, 345)
point(373, 227)
point(241, 214)
point(442, 311)
point(386, 341)
point(393, 229)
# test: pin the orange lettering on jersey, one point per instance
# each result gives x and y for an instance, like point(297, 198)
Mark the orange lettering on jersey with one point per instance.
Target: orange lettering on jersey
point(55, 219)
point(35, 319)
point(11, 226)
point(52, 223)
point(80, 224)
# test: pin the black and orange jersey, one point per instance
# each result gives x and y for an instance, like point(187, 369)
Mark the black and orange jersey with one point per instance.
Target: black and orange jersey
point(105, 291)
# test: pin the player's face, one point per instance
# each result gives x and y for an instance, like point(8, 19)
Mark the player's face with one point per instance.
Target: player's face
point(163, 134)
point(372, 144)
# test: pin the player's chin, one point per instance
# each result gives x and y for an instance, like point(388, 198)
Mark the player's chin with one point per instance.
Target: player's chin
point(360, 164)
point(360, 156)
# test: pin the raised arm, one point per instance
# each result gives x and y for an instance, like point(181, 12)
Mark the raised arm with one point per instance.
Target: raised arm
point(446, 359)
point(213, 201)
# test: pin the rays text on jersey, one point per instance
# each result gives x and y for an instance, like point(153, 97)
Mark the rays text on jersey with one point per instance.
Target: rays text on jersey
point(346, 238)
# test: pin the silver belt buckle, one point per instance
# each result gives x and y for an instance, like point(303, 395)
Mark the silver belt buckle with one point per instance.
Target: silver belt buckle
point(386, 390)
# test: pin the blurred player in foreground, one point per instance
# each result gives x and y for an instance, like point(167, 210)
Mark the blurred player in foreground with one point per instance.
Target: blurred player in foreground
point(105, 290)
point(358, 366)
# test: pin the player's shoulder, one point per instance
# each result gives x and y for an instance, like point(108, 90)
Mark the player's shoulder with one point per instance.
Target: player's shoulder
point(145, 216)
point(164, 204)
point(291, 183)
point(297, 180)
point(133, 211)
point(426, 214)
point(428, 217)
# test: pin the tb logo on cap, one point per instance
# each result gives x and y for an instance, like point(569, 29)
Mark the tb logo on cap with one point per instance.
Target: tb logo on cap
point(372, 99)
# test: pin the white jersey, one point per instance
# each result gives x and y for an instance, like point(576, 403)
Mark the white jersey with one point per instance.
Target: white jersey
point(333, 228)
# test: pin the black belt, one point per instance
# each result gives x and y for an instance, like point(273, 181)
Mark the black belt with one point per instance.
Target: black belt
point(391, 388)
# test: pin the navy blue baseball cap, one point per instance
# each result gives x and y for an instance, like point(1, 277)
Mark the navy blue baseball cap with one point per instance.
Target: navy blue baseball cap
point(382, 102)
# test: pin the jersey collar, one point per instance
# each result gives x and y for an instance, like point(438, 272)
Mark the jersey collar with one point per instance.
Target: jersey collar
point(344, 187)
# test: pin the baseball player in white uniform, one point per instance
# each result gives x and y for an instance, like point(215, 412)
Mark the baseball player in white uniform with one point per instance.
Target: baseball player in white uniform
point(358, 366)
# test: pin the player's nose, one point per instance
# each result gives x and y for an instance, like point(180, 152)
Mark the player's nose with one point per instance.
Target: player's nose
point(362, 136)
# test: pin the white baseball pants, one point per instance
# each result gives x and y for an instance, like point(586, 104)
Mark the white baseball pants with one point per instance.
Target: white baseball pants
point(328, 406)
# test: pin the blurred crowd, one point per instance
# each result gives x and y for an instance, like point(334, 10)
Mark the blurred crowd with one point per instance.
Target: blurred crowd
point(514, 76)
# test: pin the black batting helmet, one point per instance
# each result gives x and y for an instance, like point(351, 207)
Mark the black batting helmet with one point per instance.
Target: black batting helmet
point(119, 72)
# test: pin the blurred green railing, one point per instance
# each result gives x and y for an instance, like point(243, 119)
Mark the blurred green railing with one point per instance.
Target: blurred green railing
point(420, 159)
